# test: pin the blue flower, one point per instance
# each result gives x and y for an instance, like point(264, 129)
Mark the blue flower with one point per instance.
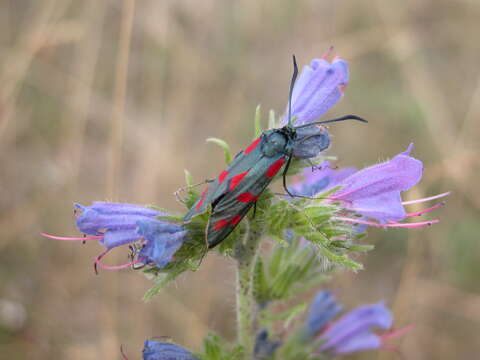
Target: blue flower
point(353, 332)
point(318, 88)
point(158, 350)
point(163, 239)
point(373, 192)
point(116, 224)
point(323, 309)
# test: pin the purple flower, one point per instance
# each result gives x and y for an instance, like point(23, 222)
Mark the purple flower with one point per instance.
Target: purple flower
point(375, 191)
point(319, 87)
point(158, 350)
point(323, 309)
point(163, 240)
point(353, 332)
point(116, 224)
point(316, 180)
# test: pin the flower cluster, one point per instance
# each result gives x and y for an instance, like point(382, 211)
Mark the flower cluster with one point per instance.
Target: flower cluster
point(330, 208)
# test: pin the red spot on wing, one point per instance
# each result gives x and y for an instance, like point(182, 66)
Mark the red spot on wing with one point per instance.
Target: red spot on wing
point(252, 146)
point(247, 197)
point(202, 198)
point(235, 220)
point(273, 169)
point(222, 176)
point(220, 224)
point(236, 180)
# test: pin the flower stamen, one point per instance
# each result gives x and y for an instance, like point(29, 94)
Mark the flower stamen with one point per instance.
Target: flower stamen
point(426, 199)
point(63, 238)
point(390, 224)
point(98, 263)
point(419, 213)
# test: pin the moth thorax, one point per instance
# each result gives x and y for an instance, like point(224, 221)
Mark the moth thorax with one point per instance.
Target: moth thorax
point(274, 144)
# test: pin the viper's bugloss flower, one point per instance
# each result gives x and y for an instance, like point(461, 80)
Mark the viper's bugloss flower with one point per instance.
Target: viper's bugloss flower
point(323, 309)
point(163, 239)
point(116, 224)
point(321, 178)
point(158, 350)
point(373, 192)
point(353, 332)
point(318, 88)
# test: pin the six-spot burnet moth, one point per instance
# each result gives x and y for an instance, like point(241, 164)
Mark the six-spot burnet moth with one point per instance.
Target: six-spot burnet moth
point(237, 188)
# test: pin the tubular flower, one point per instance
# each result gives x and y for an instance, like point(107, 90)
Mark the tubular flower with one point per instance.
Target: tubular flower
point(353, 332)
point(163, 240)
point(323, 309)
point(318, 88)
point(373, 192)
point(158, 350)
point(116, 224)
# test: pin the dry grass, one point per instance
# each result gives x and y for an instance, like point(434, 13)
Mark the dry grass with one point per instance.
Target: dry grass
point(112, 100)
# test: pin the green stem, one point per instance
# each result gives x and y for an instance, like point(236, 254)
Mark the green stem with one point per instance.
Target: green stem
point(246, 254)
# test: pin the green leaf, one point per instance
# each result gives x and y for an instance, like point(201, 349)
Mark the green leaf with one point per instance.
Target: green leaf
point(226, 148)
point(271, 119)
point(258, 121)
point(188, 178)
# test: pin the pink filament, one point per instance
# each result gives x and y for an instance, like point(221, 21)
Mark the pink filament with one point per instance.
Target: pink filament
point(123, 354)
point(328, 54)
point(116, 267)
point(426, 199)
point(396, 333)
point(391, 224)
point(93, 237)
point(418, 213)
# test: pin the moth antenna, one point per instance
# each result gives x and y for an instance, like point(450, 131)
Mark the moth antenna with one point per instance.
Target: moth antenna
point(343, 118)
point(292, 84)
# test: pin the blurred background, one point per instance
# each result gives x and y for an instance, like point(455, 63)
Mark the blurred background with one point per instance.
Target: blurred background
point(112, 100)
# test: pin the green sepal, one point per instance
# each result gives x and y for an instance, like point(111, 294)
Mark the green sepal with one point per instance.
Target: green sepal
point(287, 317)
point(226, 148)
point(258, 121)
point(188, 177)
point(272, 123)
point(215, 348)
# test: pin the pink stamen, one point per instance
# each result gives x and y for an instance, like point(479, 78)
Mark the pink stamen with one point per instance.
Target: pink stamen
point(426, 199)
point(115, 267)
point(93, 237)
point(328, 54)
point(419, 213)
point(396, 333)
point(123, 354)
point(392, 224)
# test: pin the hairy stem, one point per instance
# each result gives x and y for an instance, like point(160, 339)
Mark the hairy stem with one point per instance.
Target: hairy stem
point(245, 254)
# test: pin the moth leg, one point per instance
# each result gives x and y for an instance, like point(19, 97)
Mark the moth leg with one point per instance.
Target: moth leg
point(254, 209)
point(185, 188)
point(284, 175)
